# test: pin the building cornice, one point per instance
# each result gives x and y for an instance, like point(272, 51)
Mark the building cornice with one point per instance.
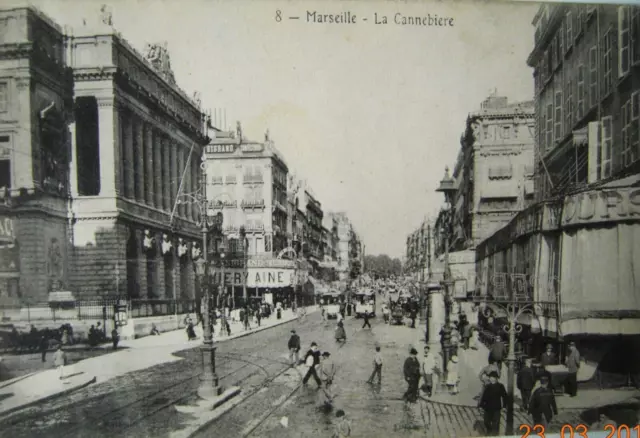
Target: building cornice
point(557, 14)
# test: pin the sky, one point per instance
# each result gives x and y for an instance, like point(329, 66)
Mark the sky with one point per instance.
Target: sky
point(369, 114)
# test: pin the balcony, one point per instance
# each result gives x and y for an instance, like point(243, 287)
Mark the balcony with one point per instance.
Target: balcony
point(252, 179)
point(256, 203)
point(252, 228)
point(220, 204)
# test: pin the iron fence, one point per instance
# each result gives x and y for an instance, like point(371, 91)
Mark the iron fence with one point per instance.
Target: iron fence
point(99, 309)
point(147, 308)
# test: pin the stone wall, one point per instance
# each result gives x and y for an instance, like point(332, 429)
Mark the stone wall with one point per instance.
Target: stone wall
point(98, 259)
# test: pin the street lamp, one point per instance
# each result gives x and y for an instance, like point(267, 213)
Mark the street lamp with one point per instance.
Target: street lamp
point(447, 186)
point(513, 310)
point(243, 240)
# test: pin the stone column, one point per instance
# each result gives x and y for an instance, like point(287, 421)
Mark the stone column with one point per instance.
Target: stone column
point(108, 129)
point(73, 168)
point(149, 170)
point(159, 289)
point(188, 185)
point(180, 150)
point(129, 183)
point(436, 318)
point(176, 271)
point(166, 175)
point(139, 154)
point(157, 171)
point(175, 178)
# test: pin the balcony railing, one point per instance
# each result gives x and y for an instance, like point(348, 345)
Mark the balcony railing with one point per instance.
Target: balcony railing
point(257, 203)
point(253, 179)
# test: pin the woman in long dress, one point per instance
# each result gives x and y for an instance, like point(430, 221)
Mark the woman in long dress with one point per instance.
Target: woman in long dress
point(341, 335)
point(453, 375)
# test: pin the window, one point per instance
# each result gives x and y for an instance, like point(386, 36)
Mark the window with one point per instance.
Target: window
point(607, 66)
point(579, 20)
point(5, 162)
point(581, 92)
point(607, 141)
point(560, 45)
point(624, 41)
point(4, 96)
point(593, 77)
point(549, 127)
point(635, 35)
point(558, 116)
point(554, 53)
point(569, 106)
point(569, 30)
point(630, 150)
point(506, 131)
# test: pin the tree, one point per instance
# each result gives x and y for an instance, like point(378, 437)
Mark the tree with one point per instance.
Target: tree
point(383, 265)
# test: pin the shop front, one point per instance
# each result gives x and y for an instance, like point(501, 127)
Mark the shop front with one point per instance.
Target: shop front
point(577, 260)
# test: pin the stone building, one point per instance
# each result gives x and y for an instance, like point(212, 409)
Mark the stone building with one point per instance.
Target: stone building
point(36, 107)
point(493, 173)
point(136, 135)
point(573, 253)
point(248, 182)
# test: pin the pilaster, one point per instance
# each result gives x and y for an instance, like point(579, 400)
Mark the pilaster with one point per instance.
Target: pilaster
point(149, 165)
point(175, 179)
point(108, 128)
point(139, 154)
point(129, 183)
point(180, 150)
point(159, 283)
point(166, 175)
point(142, 263)
point(157, 168)
point(73, 168)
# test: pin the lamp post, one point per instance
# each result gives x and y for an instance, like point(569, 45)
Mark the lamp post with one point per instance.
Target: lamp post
point(222, 290)
point(209, 387)
point(243, 239)
point(513, 310)
point(447, 186)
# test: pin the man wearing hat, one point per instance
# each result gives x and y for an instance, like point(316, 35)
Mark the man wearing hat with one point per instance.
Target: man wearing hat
point(573, 364)
point(429, 364)
point(493, 400)
point(327, 373)
point(294, 348)
point(542, 405)
point(412, 376)
point(312, 360)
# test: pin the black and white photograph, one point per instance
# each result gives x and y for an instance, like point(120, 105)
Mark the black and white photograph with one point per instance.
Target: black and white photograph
point(305, 218)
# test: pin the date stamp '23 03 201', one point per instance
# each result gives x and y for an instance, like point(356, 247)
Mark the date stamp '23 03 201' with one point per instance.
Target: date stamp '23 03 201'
point(581, 430)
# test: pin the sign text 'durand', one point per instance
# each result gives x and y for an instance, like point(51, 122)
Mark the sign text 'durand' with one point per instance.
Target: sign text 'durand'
point(602, 206)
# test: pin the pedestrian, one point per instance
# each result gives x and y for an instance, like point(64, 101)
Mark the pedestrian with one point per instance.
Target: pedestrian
point(412, 376)
point(548, 357)
point(115, 338)
point(412, 316)
point(525, 381)
point(312, 360)
point(485, 372)
point(44, 346)
point(429, 365)
point(455, 340)
point(258, 316)
point(327, 374)
point(494, 399)
point(498, 352)
point(573, 364)
point(65, 337)
point(366, 320)
point(542, 405)
point(294, 348)
point(341, 335)
point(466, 335)
point(245, 318)
point(349, 309)
point(377, 366)
point(59, 361)
point(343, 426)
point(453, 375)
point(474, 342)
point(385, 313)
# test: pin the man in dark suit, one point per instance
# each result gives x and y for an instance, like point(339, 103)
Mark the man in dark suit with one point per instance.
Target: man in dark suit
point(493, 400)
point(412, 376)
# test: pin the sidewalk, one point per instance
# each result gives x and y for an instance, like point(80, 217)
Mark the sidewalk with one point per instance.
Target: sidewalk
point(472, 361)
point(136, 354)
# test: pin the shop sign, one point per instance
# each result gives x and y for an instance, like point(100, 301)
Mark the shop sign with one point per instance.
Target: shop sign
point(254, 277)
point(601, 206)
point(221, 149)
point(6, 229)
point(252, 147)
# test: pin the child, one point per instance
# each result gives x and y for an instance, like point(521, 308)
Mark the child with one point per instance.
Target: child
point(59, 361)
point(377, 367)
point(453, 377)
point(343, 427)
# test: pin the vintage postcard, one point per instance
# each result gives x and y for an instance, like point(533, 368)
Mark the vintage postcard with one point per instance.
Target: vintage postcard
point(317, 218)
